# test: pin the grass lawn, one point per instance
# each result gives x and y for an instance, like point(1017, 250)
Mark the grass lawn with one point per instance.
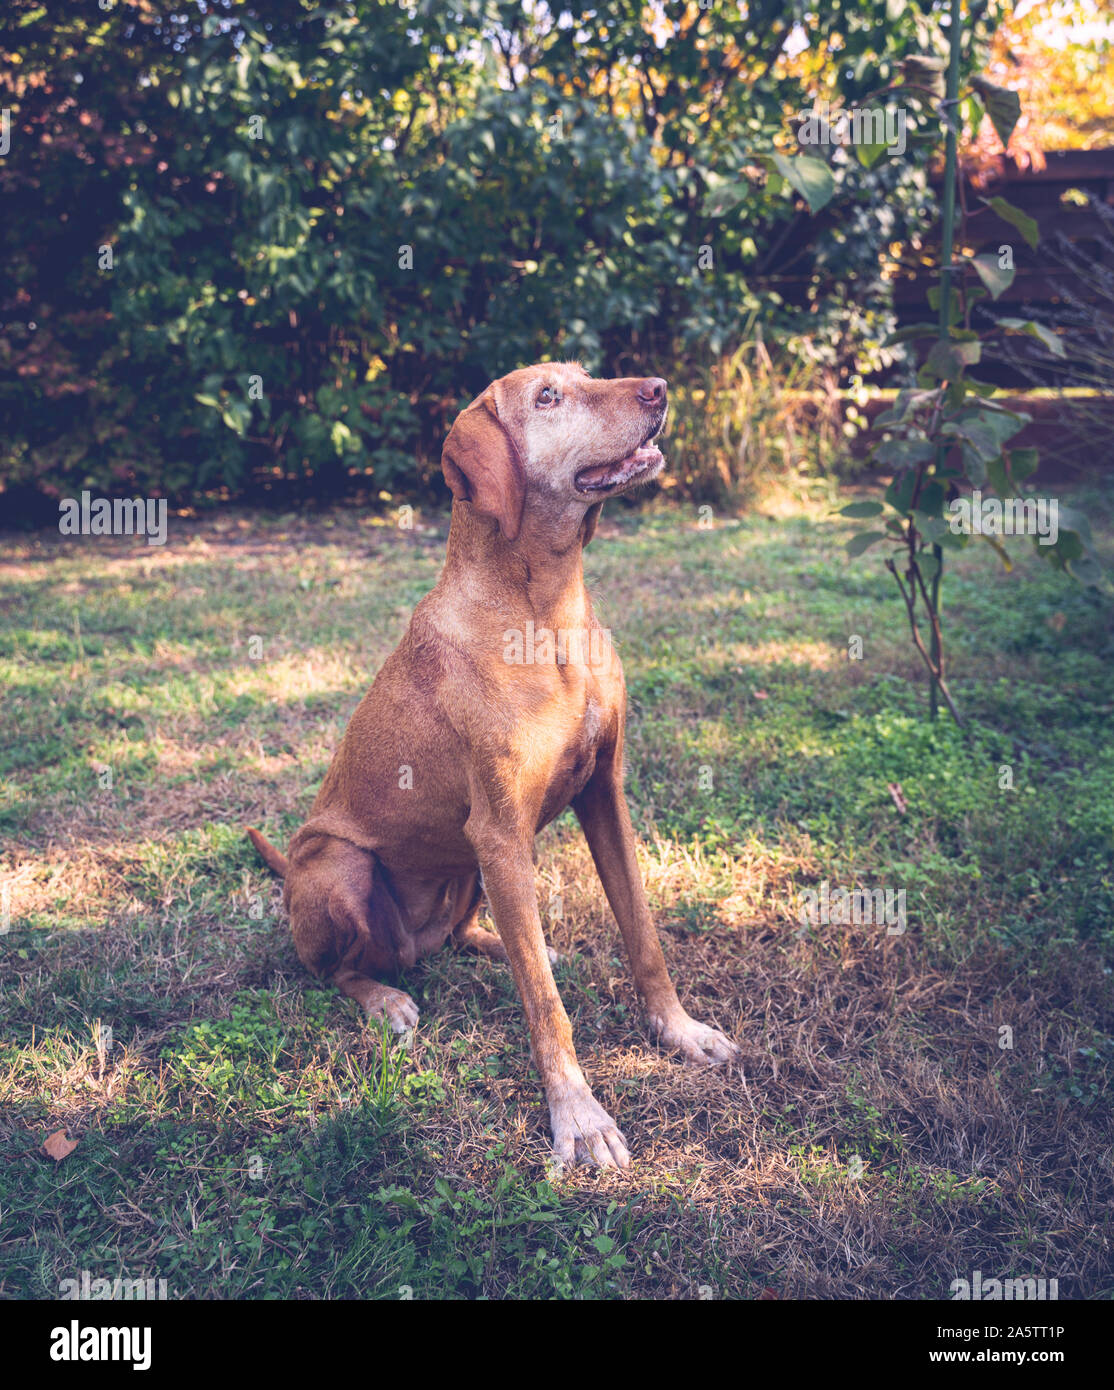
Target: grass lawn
point(912, 1107)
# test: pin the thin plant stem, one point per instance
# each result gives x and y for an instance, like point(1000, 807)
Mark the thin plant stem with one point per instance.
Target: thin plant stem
point(946, 252)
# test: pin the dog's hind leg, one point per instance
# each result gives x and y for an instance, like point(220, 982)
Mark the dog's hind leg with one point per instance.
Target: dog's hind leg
point(470, 936)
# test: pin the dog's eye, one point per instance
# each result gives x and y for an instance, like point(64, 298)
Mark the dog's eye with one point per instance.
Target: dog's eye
point(547, 396)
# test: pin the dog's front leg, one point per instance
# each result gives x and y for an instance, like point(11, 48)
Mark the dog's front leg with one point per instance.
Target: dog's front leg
point(602, 811)
point(582, 1130)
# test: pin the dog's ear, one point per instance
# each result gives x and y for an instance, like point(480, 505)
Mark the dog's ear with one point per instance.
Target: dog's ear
point(482, 465)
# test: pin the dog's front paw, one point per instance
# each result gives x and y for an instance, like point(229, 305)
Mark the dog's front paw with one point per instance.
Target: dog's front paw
point(397, 1008)
point(583, 1132)
point(696, 1042)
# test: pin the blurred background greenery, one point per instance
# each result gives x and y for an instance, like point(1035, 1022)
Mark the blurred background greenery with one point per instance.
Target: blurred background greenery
point(274, 247)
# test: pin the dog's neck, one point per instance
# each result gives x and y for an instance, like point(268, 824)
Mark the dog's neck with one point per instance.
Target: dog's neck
point(538, 576)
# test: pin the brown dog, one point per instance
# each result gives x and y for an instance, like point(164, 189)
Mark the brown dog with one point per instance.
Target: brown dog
point(502, 705)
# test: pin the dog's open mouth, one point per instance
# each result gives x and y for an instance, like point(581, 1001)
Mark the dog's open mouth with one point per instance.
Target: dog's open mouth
point(645, 463)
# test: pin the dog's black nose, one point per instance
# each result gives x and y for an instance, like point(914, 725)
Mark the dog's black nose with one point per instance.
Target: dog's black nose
point(651, 390)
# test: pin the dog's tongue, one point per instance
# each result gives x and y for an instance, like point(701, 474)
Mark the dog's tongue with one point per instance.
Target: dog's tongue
point(608, 472)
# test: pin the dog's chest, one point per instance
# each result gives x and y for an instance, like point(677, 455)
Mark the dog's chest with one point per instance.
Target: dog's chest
point(572, 756)
point(581, 753)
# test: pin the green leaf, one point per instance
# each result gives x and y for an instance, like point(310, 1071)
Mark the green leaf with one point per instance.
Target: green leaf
point(955, 309)
point(914, 330)
point(932, 528)
point(928, 564)
point(991, 273)
point(930, 499)
point(1002, 106)
point(903, 453)
point(811, 178)
point(861, 509)
point(1023, 463)
point(948, 358)
point(951, 540)
point(1025, 224)
point(1069, 545)
point(899, 494)
point(1086, 569)
point(998, 477)
point(986, 430)
point(863, 541)
point(869, 155)
point(237, 416)
point(906, 403)
point(725, 196)
point(1035, 330)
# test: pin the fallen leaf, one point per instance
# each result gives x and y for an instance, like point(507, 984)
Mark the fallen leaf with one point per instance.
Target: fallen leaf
point(894, 789)
point(761, 695)
point(58, 1146)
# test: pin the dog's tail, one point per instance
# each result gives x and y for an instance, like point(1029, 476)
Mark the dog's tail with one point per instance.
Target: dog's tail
point(272, 857)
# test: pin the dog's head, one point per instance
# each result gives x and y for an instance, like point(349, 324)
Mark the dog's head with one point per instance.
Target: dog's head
point(557, 434)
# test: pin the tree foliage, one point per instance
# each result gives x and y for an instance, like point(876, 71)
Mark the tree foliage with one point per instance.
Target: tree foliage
point(247, 240)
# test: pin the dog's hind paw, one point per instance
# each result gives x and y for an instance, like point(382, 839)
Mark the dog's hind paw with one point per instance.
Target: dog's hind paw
point(696, 1042)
